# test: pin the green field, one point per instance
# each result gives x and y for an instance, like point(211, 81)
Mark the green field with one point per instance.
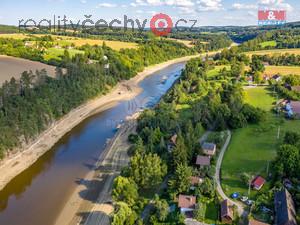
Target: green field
point(54, 53)
point(268, 44)
point(252, 148)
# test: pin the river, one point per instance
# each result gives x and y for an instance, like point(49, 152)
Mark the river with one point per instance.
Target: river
point(36, 196)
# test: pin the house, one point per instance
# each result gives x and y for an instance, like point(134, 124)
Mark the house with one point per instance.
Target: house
point(295, 105)
point(203, 161)
point(277, 77)
point(256, 222)
point(285, 213)
point(258, 182)
point(195, 181)
point(295, 88)
point(226, 212)
point(186, 203)
point(292, 108)
point(172, 142)
point(173, 139)
point(209, 149)
point(250, 79)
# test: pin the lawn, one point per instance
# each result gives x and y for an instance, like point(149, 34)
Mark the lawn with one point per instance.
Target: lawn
point(268, 44)
point(54, 53)
point(295, 51)
point(252, 148)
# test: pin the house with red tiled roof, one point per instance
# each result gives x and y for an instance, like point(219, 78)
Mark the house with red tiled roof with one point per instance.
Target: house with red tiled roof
point(186, 203)
point(258, 182)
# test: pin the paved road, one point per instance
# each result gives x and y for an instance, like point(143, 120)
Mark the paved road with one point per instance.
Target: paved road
point(240, 206)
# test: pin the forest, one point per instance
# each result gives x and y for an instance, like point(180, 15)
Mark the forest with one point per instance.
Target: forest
point(29, 105)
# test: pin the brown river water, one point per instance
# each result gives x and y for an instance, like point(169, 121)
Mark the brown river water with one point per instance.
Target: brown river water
point(37, 195)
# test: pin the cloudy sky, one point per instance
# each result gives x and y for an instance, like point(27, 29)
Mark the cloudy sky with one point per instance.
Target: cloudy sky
point(206, 12)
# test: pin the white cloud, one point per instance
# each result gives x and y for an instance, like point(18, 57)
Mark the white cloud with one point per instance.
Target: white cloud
point(275, 4)
point(83, 1)
point(209, 5)
point(184, 6)
point(240, 6)
point(181, 3)
point(106, 5)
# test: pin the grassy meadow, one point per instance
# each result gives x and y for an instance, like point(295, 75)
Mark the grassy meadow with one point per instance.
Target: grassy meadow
point(54, 53)
point(268, 44)
point(254, 147)
point(215, 72)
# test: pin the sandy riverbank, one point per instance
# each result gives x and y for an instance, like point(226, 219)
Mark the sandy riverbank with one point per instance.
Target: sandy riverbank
point(13, 165)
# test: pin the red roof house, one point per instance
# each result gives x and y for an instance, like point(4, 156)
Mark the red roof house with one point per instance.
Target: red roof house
point(258, 183)
point(186, 203)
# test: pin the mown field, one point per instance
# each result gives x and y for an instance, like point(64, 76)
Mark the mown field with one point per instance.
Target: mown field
point(275, 51)
point(254, 147)
point(13, 67)
point(283, 70)
point(67, 40)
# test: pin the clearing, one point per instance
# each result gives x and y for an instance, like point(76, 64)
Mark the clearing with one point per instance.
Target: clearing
point(268, 44)
point(254, 147)
point(55, 53)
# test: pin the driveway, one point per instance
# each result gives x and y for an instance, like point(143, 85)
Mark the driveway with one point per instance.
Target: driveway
point(240, 207)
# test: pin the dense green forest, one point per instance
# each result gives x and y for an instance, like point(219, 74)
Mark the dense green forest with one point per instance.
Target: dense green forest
point(29, 106)
point(284, 38)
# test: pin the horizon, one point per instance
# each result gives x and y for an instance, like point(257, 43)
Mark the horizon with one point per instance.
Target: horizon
point(215, 13)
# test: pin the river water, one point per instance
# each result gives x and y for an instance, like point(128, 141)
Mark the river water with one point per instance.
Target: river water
point(37, 196)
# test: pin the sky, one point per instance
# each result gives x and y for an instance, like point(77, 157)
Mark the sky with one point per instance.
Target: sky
point(206, 12)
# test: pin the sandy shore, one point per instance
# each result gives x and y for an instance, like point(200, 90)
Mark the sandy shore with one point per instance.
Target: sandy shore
point(14, 164)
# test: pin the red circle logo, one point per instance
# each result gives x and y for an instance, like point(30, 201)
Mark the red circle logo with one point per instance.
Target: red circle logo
point(161, 24)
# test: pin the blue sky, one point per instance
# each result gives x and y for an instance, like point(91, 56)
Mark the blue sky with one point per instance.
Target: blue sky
point(206, 12)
